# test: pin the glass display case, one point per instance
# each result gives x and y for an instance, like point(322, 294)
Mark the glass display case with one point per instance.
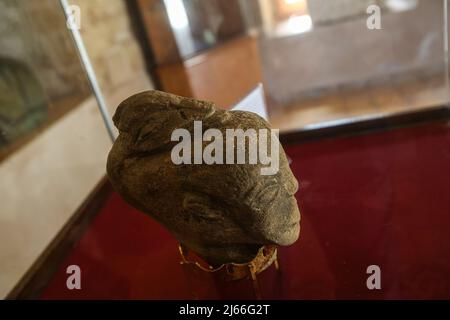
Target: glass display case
point(358, 89)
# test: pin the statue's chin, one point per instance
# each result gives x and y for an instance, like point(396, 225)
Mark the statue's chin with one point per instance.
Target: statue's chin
point(290, 235)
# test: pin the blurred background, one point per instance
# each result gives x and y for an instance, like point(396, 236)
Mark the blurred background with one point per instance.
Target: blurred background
point(320, 61)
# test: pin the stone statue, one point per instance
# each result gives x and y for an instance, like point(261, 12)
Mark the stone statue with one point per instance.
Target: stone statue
point(223, 212)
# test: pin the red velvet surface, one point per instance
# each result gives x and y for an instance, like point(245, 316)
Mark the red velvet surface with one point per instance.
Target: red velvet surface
point(376, 199)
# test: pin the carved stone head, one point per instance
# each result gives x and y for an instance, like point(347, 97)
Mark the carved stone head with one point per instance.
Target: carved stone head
point(224, 212)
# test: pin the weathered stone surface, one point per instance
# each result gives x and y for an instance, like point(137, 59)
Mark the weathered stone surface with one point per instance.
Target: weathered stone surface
point(224, 212)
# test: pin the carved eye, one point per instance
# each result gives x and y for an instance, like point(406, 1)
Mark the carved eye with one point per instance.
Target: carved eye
point(200, 207)
point(267, 195)
point(153, 127)
point(147, 131)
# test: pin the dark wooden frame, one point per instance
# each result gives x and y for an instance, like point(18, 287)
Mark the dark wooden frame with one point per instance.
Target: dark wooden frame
point(40, 273)
point(364, 125)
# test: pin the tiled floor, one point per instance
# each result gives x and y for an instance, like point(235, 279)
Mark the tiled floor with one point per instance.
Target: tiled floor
point(396, 96)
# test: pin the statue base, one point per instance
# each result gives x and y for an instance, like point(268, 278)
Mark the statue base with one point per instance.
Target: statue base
point(266, 256)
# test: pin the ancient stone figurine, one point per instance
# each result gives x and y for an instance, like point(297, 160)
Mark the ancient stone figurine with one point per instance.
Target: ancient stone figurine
point(223, 212)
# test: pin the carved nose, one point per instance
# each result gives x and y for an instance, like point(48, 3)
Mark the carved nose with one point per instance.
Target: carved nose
point(291, 185)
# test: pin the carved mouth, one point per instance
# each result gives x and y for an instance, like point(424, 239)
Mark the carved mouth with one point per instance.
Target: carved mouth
point(293, 224)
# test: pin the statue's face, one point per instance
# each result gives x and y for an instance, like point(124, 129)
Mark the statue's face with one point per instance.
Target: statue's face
point(204, 206)
point(235, 204)
point(268, 215)
point(274, 211)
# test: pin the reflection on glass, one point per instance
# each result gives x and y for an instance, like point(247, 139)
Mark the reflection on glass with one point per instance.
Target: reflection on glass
point(41, 77)
point(294, 25)
point(322, 63)
point(201, 24)
point(23, 103)
point(177, 13)
point(401, 5)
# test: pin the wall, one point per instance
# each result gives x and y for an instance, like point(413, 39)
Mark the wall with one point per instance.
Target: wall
point(324, 11)
point(46, 180)
point(347, 53)
point(107, 31)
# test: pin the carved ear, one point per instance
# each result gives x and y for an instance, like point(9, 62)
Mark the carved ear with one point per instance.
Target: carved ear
point(201, 207)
